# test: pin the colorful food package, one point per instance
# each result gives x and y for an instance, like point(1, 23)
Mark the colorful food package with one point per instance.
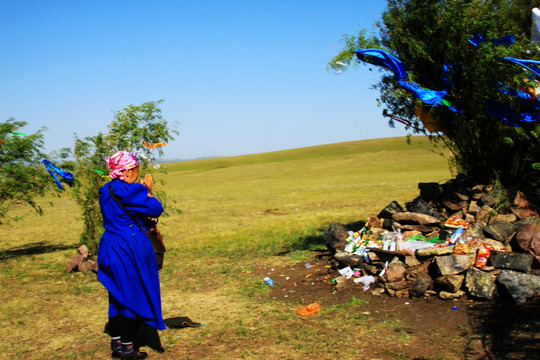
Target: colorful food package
point(461, 249)
point(482, 256)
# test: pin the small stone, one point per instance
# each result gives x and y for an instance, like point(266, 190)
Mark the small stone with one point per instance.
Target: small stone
point(446, 295)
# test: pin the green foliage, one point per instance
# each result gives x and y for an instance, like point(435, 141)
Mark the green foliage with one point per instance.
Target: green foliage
point(22, 177)
point(127, 131)
point(425, 35)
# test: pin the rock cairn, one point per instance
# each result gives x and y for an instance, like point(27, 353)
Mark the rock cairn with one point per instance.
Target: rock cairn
point(81, 262)
point(506, 223)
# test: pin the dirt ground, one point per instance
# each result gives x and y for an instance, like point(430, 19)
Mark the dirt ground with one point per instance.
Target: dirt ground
point(449, 329)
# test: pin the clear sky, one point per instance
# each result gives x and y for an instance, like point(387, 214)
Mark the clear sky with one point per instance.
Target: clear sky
point(236, 76)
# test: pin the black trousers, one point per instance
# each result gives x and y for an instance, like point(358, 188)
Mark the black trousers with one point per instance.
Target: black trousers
point(124, 327)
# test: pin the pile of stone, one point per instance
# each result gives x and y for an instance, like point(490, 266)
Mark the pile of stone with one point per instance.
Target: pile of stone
point(81, 262)
point(507, 223)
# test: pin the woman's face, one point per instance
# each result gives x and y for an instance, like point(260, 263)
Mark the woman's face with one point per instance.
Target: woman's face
point(131, 175)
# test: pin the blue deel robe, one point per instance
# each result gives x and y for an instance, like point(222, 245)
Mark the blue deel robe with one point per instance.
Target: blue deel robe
point(126, 259)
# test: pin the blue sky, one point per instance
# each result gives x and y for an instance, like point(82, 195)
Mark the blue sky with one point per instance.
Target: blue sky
point(237, 77)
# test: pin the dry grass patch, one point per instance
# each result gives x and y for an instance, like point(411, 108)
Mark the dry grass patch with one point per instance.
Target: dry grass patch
point(236, 212)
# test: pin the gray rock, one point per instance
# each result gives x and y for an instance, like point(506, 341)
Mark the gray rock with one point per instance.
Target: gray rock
point(524, 213)
point(417, 270)
point(529, 221)
point(455, 206)
point(411, 261)
point(510, 260)
point(86, 267)
point(394, 274)
point(420, 285)
point(501, 231)
point(397, 286)
point(335, 237)
point(484, 213)
point(450, 283)
point(528, 239)
point(487, 199)
point(390, 210)
point(520, 286)
point(418, 205)
point(431, 191)
point(503, 218)
point(445, 295)
point(423, 229)
point(418, 218)
point(83, 250)
point(476, 230)
point(496, 245)
point(480, 284)
point(434, 251)
point(348, 259)
point(74, 264)
point(452, 264)
point(396, 262)
point(473, 208)
point(477, 191)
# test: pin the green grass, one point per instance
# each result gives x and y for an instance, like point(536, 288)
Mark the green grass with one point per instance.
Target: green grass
point(236, 211)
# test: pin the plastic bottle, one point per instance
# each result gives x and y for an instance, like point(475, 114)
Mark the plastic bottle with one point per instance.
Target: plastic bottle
point(399, 235)
point(396, 241)
point(350, 246)
point(386, 241)
point(393, 242)
point(268, 281)
point(457, 235)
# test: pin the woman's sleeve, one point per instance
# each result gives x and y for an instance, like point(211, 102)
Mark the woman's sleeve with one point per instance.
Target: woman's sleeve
point(135, 199)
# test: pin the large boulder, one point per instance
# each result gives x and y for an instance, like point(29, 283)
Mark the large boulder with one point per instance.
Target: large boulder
point(420, 285)
point(335, 237)
point(452, 264)
point(501, 231)
point(418, 218)
point(510, 260)
point(480, 284)
point(520, 286)
point(528, 239)
point(390, 210)
point(418, 205)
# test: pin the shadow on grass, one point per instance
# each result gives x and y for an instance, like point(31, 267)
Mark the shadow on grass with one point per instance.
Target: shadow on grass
point(33, 249)
point(508, 330)
point(317, 243)
point(149, 337)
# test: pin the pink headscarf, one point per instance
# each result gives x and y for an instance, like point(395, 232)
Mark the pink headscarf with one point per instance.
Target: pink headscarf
point(121, 160)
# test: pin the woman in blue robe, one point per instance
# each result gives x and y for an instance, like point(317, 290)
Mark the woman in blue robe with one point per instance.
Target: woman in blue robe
point(127, 264)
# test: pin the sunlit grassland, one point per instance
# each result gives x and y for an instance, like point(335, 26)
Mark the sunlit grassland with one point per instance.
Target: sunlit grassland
point(236, 211)
point(265, 201)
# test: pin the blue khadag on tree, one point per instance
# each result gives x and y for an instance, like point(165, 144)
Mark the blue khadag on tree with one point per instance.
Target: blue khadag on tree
point(465, 74)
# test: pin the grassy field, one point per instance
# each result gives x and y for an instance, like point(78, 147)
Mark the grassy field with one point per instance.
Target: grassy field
point(236, 211)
